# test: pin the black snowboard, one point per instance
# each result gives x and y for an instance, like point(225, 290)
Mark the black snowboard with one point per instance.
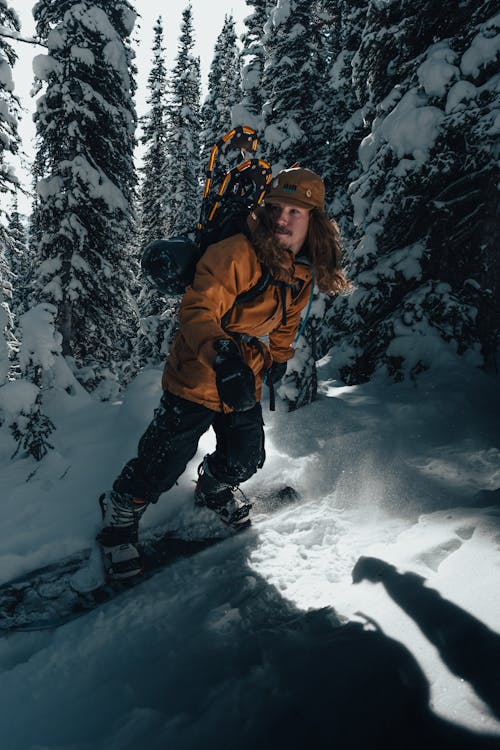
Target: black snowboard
point(59, 592)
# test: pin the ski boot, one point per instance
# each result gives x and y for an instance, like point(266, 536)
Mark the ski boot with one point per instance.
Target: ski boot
point(219, 497)
point(119, 536)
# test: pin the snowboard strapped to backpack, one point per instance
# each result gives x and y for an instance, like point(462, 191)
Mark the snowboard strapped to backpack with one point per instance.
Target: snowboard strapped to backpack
point(229, 195)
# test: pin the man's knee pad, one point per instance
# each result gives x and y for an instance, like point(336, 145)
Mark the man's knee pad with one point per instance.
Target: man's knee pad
point(234, 470)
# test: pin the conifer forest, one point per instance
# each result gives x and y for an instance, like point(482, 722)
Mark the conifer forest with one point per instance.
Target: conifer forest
point(395, 103)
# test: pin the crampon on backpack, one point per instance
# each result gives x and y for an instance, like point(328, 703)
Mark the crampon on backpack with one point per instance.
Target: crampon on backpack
point(229, 196)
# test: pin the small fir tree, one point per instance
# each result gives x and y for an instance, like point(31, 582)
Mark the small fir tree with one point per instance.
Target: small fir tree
point(157, 326)
point(31, 430)
point(41, 370)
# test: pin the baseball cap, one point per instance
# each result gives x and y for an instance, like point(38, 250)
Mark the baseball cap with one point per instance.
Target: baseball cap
point(297, 186)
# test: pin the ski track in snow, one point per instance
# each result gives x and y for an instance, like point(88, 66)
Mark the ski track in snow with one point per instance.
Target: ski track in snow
point(204, 642)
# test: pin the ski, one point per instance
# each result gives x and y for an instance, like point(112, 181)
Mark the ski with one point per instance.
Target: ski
point(57, 593)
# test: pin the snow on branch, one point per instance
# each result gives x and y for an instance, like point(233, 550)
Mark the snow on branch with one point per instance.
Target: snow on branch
point(19, 37)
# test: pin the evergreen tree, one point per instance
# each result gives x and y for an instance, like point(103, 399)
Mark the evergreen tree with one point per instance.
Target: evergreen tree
point(252, 60)
point(9, 107)
point(297, 117)
point(8, 342)
point(154, 193)
point(85, 125)
point(344, 117)
point(290, 80)
point(224, 89)
point(157, 326)
point(149, 345)
point(31, 431)
point(184, 135)
point(9, 143)
point(19, 259)
point(337, 135)
point(425, 203)
point(40, 370)
point(322, 34)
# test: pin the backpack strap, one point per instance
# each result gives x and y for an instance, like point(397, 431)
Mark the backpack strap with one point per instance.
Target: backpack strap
point(254, 341)
point(265, 280)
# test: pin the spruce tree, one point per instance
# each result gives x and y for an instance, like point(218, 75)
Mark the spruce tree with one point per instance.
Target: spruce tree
point(9, 144)
point(157, 326)
point(252, 60)
point(40, 371)
point(184, 134)
point(425, 202)
point(224, 89)
point(154, 323)
point(31, 431)
point(9, 108)
point(336, 137)
point(8, 342)
point(322, 33)
point(343, 119)
point(297, 116)
point(154, 139)
point(19, 258)
point(85, 127)
point(290, 83)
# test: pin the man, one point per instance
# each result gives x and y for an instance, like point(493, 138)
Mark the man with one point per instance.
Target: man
point(216, 367)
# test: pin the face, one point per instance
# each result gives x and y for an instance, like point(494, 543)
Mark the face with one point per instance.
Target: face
point(290, 225)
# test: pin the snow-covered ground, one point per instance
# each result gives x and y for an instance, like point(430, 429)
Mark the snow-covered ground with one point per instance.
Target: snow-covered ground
point(280, 636)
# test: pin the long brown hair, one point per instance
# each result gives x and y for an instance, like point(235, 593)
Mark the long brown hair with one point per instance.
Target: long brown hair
point(323, 248)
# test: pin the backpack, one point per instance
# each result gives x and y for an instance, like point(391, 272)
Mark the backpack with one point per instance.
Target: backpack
point(229, 195)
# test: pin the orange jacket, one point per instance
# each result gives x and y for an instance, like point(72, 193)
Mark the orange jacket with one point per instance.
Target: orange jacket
point(225, 270)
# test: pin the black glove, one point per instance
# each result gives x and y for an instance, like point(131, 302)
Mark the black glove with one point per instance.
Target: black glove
point(276, 372)
point(235, 380)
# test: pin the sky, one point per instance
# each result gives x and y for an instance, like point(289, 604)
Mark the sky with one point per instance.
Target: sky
point(208, 22)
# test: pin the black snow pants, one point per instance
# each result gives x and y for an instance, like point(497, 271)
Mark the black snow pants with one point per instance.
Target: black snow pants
point(171, 440)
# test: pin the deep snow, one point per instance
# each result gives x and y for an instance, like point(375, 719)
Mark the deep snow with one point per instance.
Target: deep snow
point(264, 640)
